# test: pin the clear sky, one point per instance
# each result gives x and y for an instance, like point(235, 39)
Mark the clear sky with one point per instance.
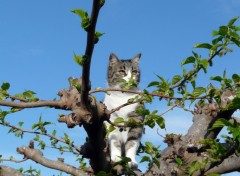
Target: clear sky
point(38, 39)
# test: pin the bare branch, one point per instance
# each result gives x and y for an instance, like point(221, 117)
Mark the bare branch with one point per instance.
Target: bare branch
point(120, 107)
point(171, 108)
point(13, 160)
point(42, 103)
point(37, 156)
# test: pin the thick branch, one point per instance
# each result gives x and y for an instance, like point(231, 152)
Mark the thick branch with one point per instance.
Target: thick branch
point(37, 156)
point(230, 164)
point(7, 171)
point(188, 147)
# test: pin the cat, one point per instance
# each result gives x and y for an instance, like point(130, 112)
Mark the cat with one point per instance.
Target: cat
point(123, 141)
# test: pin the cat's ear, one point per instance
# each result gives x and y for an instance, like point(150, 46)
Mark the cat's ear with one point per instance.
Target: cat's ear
point(136, 58)
point(113, 58)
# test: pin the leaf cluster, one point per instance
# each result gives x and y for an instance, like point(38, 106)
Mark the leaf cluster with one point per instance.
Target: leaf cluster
point(153, 154)
point(151, 118)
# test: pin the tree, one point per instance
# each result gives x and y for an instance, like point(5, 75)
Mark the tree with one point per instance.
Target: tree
point(196, 153)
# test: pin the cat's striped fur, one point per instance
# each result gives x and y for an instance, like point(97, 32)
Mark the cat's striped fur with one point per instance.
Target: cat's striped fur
point(123, 141)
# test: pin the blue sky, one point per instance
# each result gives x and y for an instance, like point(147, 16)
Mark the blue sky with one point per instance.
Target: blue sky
point(38, 39)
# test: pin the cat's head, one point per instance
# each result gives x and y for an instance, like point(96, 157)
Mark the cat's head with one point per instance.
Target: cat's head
point(119, 70)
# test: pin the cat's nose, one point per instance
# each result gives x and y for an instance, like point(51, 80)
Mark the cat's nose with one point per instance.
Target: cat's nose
point(128, 76)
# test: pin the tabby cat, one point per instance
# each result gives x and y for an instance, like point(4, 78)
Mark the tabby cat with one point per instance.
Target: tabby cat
point(123, 141)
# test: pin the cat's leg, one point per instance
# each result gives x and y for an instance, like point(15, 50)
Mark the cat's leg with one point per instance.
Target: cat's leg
point(131, 147)
point(115, 146)
point(133, 139)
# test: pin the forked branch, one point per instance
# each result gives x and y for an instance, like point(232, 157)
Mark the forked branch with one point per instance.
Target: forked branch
point(37, 156)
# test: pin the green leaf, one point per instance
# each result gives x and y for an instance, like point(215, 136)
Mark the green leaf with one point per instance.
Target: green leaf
point(214, 175)
point(215, 43)
point(161, 122)
point(29, 95)
point(176, 79)
point(54, 132)
point(178, 161)
point(5, 86)
point(237, 28)
point(20, 124)
point(81, 13)
point(97, 36)
point(110, 129)
point(220, 123)
point(143, 111)
point(2, 96)
point(237, 42)
point(216, 78)
point(156, 162)
point(79, 59)
point(188, 60)
point(198, 91)
point(84, 16)
point(204, 64)
point(145, 159)
point(232, 21)
point(223, 30)
point(234, 104)
point(203, 45)
point(149, 121)
point(154, 83)
point(214, 33)
point(119, 120)
point(236, 78)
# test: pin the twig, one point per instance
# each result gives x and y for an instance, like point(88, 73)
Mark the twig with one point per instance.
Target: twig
point(17, 98)
point(42, 134)
point(15, 161)
point(171, 108)
point(195, 71)
point(62, 150)
point(42, 103)
point(121, 106)
point(141, 93)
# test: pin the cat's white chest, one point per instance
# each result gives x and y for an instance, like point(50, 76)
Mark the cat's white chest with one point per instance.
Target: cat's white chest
point(116, 99)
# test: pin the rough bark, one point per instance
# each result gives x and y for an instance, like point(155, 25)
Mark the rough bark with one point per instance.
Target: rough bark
point(189, 149)
point(37, 156)
point(8, 171)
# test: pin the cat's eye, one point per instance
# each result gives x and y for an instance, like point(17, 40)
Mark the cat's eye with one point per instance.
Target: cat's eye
point(122, 72)
point(134, 72)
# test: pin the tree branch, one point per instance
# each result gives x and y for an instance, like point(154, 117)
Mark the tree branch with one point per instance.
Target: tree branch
point(43, 134)
point(15, 161)
point(42, 103)
point(230, 164)
point(8, 171)
point(88, 54)
point(37, 156)
point(196, 70)
point(141, 93)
